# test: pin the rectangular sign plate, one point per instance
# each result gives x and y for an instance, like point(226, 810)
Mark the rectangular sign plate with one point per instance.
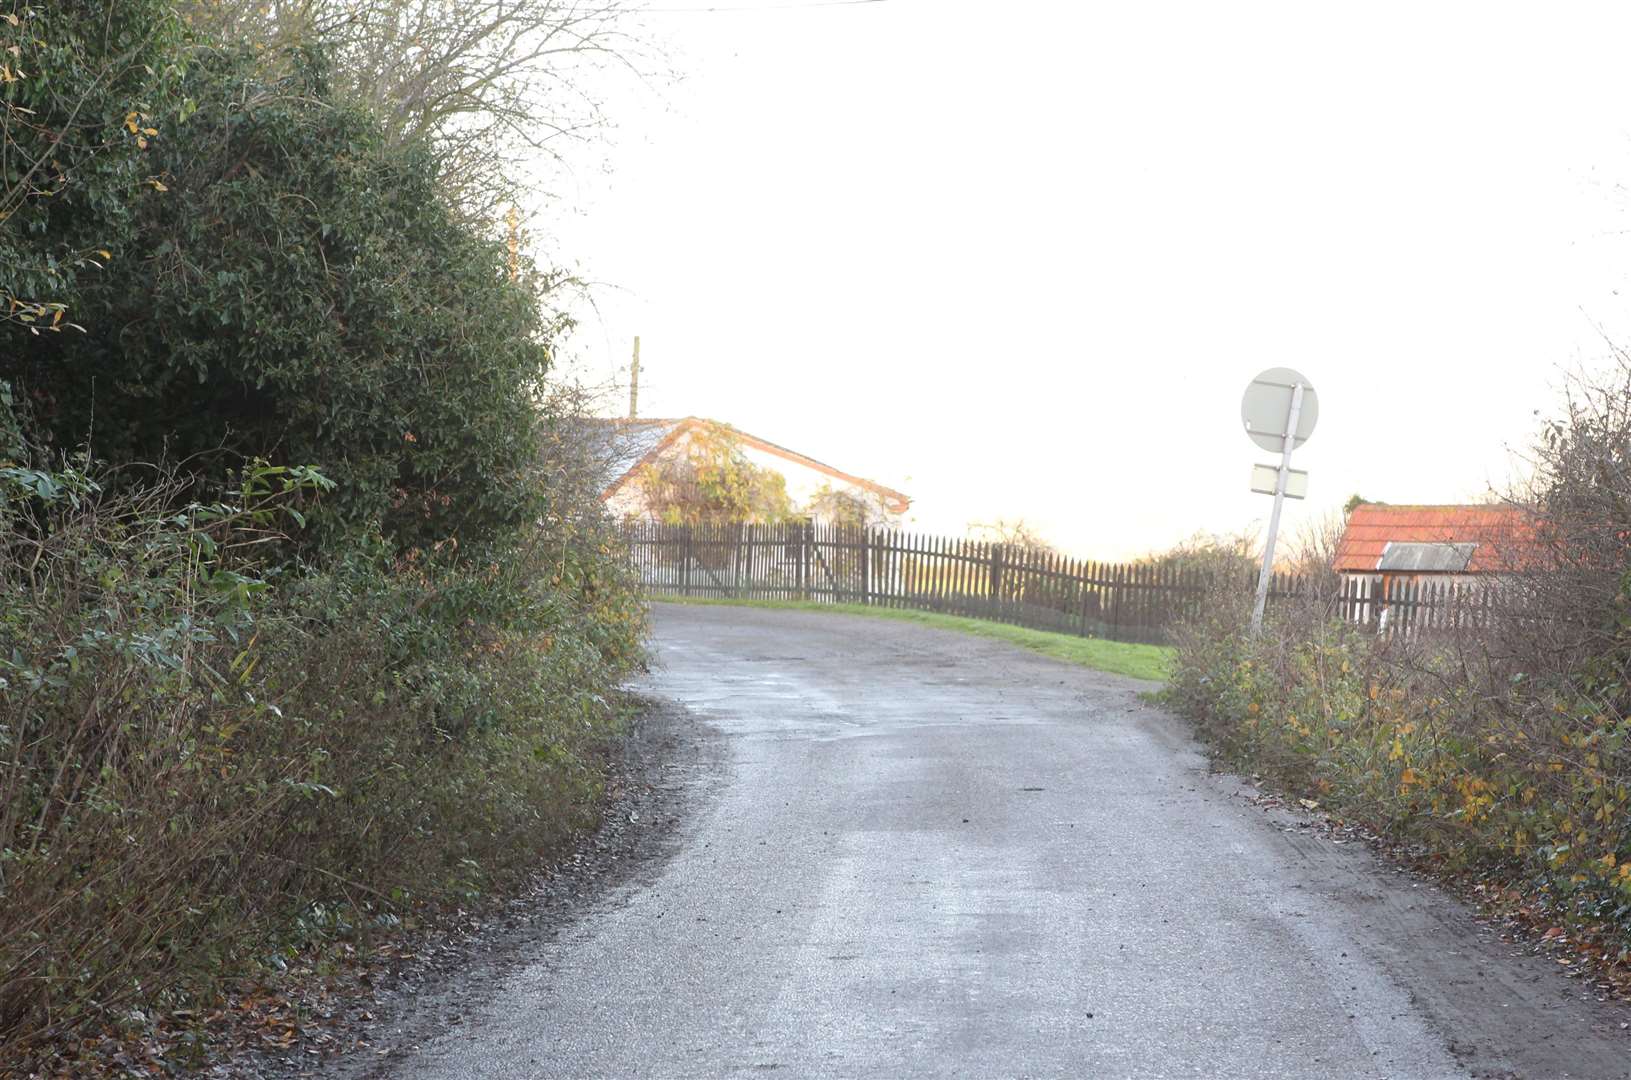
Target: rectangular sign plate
point(1264, 476)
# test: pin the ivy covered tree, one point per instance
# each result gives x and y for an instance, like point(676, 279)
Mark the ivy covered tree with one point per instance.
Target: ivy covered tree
point(712, 480)
point(303, 292)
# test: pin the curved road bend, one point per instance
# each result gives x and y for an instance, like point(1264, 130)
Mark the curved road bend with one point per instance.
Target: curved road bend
point(927, 854)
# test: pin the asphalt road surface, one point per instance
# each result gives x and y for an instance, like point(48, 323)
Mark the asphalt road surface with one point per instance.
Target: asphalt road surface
point(910, 852)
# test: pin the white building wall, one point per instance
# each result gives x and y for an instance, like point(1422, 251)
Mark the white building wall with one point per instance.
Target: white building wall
point(803, 482)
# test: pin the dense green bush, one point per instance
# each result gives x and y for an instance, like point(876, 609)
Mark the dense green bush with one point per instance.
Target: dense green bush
point(80, 86)
point(301, 291)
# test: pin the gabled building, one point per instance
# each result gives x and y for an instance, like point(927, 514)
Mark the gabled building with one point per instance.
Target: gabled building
point(628, 446)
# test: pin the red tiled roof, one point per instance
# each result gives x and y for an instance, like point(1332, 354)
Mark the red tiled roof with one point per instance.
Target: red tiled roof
point(1501, 532)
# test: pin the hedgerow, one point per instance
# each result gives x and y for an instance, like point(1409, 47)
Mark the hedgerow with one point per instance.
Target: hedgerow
point(198, 751)
point(349, 650)
point(1502, 753)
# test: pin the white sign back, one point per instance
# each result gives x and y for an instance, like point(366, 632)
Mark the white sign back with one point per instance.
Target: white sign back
point(1264, 477)
point(1267, 404)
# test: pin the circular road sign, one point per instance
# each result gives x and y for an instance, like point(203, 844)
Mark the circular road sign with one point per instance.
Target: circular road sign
point(1266, 407)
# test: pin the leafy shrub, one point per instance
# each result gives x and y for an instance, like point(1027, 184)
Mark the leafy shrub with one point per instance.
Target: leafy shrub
point(80, 87)
point(235, 717)
point(1503, 751)
point(302, 291)
point(1400, 737)
point(198, 752)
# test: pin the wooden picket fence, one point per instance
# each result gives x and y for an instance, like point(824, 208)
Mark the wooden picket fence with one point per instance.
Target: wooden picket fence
point(1412, 608)
point(1138, 602)
point(905, 570)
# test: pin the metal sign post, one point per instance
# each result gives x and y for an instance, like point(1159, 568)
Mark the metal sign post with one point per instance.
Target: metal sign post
point(1279, 411)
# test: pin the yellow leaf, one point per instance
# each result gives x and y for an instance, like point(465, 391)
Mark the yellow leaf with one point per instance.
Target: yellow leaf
point(158, 185)
point(1608, 860)
point(105, 253)
point(150, 131)
point(1374, 691)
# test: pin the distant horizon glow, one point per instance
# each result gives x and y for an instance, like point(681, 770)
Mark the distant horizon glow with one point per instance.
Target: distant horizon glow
point(1027, 276)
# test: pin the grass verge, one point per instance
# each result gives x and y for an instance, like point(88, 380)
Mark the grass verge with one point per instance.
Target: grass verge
point(1151, 662)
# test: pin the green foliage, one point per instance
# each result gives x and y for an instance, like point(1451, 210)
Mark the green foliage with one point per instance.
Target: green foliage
point(1532, 793)
point(239, 716)
point(81, 85)
point(711, 481)
point(847, 509)
point(13, 446)
point(1501, 750)
point(302, 292)
point(1354, 500)
point(198, 752)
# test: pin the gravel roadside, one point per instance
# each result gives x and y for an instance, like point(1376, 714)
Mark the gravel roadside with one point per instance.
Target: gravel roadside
point(668, 765)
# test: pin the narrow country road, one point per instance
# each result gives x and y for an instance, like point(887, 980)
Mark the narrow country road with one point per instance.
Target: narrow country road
point(918, 853)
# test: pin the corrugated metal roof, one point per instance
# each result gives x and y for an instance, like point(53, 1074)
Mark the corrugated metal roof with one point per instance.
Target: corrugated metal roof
point(618, 445)
point(1503, 536)
point(1426, 558)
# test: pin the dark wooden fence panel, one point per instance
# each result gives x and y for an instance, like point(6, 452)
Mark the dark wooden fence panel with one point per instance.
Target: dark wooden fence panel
point(1138, 602)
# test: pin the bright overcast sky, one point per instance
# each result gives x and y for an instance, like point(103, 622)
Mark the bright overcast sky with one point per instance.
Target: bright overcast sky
point(1020, 259)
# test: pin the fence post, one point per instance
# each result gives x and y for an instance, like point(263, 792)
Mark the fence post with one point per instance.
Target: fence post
point(1081, 597)
point(1117, 577)
point(685, 566)
point(863, 549)
point(996, 577)
point(736, 563)
point(801, 561)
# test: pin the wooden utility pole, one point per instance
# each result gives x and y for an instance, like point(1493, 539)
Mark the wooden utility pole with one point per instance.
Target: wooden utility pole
point(634, 382)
